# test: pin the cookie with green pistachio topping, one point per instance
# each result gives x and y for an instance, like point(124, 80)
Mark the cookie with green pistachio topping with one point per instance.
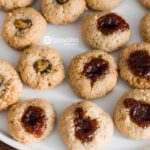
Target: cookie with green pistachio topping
point(24, 27)
point(41, 67)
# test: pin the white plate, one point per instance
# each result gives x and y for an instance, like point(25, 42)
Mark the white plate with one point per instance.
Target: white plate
point(67, 39)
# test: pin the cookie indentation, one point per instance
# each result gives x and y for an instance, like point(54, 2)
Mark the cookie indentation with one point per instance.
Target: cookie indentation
point(139, 112)
point(95, 69)
point(139, 63)
point(3, 86)
point(23, 24)
point(62, 1)
point(42, 66)
point(34, 121)
point(85, 127)
point(111, 23)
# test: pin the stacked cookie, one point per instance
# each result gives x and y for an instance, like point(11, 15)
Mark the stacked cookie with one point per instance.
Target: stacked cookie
point(92, 74)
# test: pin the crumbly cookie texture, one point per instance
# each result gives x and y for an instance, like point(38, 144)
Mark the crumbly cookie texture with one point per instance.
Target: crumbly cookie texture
point(68, 126)
point(103, 5)
point(106, 31)
point(123, 119)
point(41, 67)
point(62, 11)
point(14, 4)
point(134, 65)
point(16, 127)
point(10, 85)
point(24, 27)
point(91, 79)
point(146, 3)
point(144, 27)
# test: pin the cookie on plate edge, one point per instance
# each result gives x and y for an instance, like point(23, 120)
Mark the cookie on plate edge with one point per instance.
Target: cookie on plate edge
point(31, 121)
point(10, 85)
point(85, 126)
point(131, 114)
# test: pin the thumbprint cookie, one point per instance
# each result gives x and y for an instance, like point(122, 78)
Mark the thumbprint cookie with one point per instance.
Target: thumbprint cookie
point(132, 114)
point(85, 126)
point(24, 27)
point(31, 121)
point(134, 65)
point(41, 67)
point(93, 74)
point(14, 4)
point(10, 85)
point(106, 31)
point(62, 11)
point(103, 5)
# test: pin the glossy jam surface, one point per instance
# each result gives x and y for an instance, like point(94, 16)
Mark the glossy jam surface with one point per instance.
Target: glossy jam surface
point(95, 69)
point(85, 127)
point(139, 63)
point(34, 121)
point(42, 66)
point(139, 112)
point(111, 23)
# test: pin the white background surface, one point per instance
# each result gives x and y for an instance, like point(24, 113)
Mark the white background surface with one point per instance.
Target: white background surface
point(62, 96)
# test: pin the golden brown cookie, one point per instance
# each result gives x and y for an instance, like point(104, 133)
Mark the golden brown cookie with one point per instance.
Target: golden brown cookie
point(14, 4)
point(93, 74)
point(132, 114)
point(103, 5)
point(41, 67)
point(146, 3)
point(134, 65)
point(62, 11)
point(24, 27)
point(10, 85)
point(144, 27)
point(85, 126)
point(106, 31)
point(31, 121)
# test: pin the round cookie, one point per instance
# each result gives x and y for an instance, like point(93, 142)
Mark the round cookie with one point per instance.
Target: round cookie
point(134, 65)
point(131, 115)
point(93, 74)
point(146, 3)
point(10, 85)
point(103, 5)
point(13, 4)
point(41, 67)
point(31, 121)
point(24, 27)
point(85, 126)
point(62, 11)
point(144, 27)
point(106, 31)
